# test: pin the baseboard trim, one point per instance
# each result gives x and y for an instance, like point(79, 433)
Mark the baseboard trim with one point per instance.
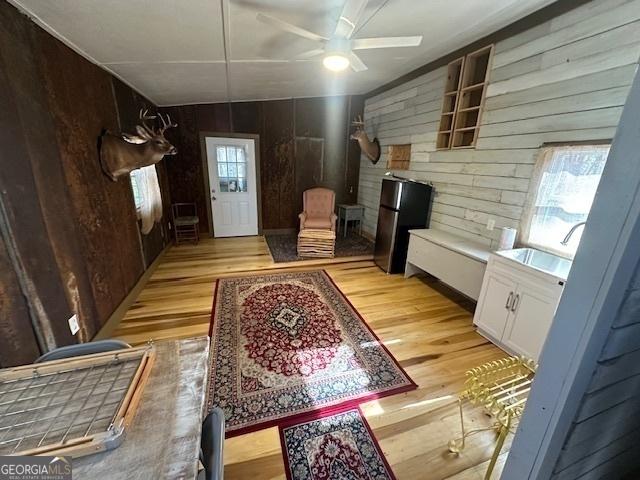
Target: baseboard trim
point(118, 314)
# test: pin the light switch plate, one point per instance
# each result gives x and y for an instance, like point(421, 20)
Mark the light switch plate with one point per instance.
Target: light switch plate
point(74, 326)
point(491, 223)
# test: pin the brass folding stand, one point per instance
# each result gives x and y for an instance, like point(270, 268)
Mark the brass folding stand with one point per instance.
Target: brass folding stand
point(502, 387)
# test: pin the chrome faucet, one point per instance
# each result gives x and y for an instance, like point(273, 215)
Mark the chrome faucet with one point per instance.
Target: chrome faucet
point(571, 232)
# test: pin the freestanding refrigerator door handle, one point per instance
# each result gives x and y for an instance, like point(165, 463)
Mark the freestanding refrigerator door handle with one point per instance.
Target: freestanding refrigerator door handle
point(385, 238)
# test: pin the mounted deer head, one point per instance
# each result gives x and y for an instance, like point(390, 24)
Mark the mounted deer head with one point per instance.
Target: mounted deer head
point(370, 148)
point(120, 154)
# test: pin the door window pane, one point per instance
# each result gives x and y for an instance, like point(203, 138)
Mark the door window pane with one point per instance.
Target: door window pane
point(221, 154)
point(232, 168)
point(231, 154)
point(564, 194)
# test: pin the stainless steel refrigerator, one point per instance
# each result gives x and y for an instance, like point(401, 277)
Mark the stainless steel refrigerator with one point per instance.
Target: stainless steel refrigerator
point(404, 205)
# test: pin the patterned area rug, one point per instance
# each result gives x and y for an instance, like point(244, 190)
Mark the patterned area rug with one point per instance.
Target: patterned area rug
point(284, 247)
point(337, 447)
point(285, 345)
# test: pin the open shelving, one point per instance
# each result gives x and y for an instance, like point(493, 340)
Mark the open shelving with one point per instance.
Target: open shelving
point(450, 102)
point(465, 91)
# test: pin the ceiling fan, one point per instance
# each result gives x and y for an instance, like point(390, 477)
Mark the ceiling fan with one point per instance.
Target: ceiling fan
point(338, 51)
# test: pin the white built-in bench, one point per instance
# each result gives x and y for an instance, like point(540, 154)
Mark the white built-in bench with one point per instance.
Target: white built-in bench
point(454, 260)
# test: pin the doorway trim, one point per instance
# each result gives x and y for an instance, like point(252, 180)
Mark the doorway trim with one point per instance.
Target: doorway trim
point(205, 169)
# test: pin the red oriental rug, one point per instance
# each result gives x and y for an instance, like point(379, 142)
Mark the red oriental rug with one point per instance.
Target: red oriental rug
point(290, 344)
point(337, 447)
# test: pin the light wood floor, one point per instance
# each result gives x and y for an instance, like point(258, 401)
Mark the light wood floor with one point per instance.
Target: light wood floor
point(425, 326)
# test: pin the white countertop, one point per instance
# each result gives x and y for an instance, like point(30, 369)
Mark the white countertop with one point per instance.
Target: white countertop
point(466, 247)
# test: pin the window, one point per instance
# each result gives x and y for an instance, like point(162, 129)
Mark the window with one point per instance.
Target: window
point(232, 168)
point(563, 191)
point(147, 196)
point(137, 190)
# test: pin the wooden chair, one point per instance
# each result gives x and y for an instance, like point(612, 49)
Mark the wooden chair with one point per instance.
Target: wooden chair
point(186, 226)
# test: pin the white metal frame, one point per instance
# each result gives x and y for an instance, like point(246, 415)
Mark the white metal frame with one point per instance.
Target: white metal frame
point(602, 269)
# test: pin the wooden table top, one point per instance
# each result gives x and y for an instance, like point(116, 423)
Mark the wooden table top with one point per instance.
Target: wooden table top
point(163, 440)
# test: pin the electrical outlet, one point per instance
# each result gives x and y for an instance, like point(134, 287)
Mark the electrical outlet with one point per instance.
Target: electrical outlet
point(74, 326)
point(491, 223)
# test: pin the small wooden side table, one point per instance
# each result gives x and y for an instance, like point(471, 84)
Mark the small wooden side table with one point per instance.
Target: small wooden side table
point(349, 213)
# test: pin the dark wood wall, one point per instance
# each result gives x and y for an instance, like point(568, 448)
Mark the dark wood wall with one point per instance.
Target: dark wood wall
point(289, 163)
point(129, 102)
point(70, 240)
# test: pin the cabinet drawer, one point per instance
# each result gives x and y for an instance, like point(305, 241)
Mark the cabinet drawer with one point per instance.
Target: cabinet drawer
point(455, 269)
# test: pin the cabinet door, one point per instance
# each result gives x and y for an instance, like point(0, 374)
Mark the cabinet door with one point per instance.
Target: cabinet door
point(491, 316)
point(532, 314)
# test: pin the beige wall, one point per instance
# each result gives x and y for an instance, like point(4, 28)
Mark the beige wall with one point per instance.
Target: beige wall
point(562, 81)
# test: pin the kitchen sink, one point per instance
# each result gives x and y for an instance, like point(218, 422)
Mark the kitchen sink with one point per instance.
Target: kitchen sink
point(542, 261)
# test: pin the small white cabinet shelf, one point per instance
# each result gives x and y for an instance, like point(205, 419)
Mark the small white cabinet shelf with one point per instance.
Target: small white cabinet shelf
point(516, 306)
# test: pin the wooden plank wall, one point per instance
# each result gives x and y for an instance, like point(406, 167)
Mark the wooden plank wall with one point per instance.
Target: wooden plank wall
point(285, 171)
point(604, 440)
point(70, 234)
point(564, 80)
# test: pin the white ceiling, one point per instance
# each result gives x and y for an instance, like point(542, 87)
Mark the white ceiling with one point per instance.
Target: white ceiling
point(172, 51)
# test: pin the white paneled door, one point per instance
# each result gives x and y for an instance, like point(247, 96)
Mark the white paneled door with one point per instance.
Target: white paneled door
point(233, 188)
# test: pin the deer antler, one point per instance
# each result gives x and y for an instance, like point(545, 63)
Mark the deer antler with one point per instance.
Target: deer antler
point(143, 114)
point(358, 122)
point(166, 124)
point(370, 148)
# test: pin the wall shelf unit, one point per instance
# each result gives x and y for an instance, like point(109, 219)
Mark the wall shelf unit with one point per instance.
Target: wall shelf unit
point(465, 89)
point(450, 102)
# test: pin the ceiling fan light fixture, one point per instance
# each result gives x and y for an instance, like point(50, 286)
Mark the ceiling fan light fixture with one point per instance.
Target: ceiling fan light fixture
point(336, 62)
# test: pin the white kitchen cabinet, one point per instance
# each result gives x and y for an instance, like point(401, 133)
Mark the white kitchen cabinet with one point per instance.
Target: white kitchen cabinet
point(497, 293)
point(516, 306)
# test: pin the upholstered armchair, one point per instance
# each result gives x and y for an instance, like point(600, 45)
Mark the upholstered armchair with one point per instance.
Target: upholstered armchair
point(319, 206)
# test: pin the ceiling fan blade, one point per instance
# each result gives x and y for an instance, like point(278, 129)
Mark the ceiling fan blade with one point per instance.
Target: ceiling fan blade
point(349, 18)
point(309, 54)
point(356, 63)
point(385, 42)
point(287, 27)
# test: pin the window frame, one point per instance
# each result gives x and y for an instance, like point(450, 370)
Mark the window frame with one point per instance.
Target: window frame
point(542, 160)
